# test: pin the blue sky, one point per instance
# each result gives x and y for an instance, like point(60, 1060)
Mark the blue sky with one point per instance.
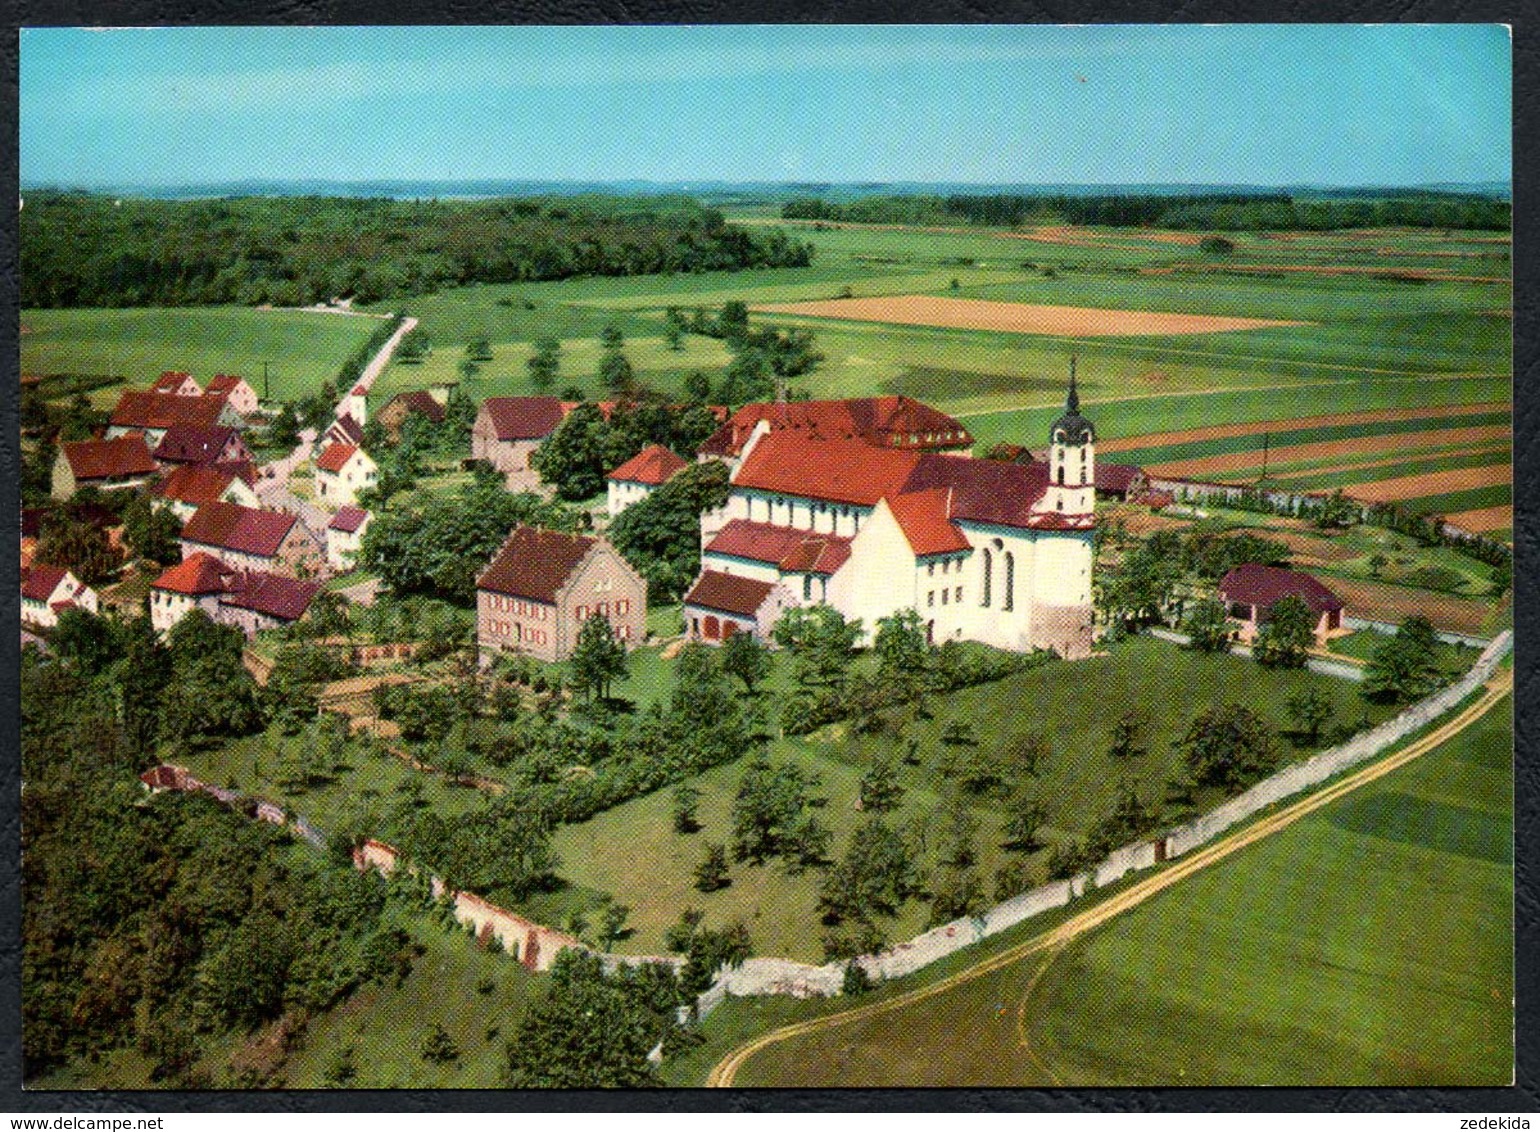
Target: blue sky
point(1327, 104)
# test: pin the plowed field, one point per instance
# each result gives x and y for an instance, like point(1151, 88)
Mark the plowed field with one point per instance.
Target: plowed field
point(1019, 318)
point(1398, 444)
point(1483, 518)
point(1381, 601)
point(1433, 483)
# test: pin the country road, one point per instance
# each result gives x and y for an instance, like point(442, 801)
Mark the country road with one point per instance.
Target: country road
point(1497, 688)
point(380, 360)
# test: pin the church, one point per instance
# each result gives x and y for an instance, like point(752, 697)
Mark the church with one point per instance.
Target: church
point(831, 503)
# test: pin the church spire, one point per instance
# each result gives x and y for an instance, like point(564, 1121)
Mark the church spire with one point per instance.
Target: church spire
point(1072, 402)
point(1072, 428)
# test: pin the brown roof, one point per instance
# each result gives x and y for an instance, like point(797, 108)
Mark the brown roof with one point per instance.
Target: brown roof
point(193, 444)
point(1262, 586)
point(283, 598)
point(791, 551)
point(1116, 477)
point(348, 519)
point(196, 483)
point(197, 574)
point(652, 465)
point(534, 563)
point(143, 409)
point(899, 422)
point(39, 583)
point(346, 429)
point(109, 459)
point(523, 418)
point(418, 401)
point(728, 593)
point(335, 457)
point(242, 529)
point(984, 491)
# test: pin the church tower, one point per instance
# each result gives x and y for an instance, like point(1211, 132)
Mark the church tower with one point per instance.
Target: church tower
point(1072, 458)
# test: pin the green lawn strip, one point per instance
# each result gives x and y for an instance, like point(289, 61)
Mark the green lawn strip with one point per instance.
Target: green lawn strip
point(916, 1045)
point(1306, 470)
point(1454, 659)
point(303, 349)
point(1455, 501)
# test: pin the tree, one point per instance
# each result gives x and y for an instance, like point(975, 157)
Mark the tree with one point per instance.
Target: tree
point(769, 811)
point(598, 658)
point(612, 337)
point(284, 431)
point(1227, 746)
point(708, 951)
point(711, 874)
point(152, 532)
point(1403, 667)
point(1208, 626)
point(438, 1047)
point(1286, 636)
point(615, 372)
point(820, 641)
point(479, 349)
point(1130, 735)
point(903, 652)
point(747, 378)
point(545, 363)
point(697, 387)
point(612, 925)
point(686, 803)
point(1216, 245)
point(880, 790)
point(660, 535)
point(1309, 710)
point(733, 322)
point(1025, 752)
point(875, 877)
point(673, 335)
point(956, 892)
point(210, 691)
point(746, 658)
point(1027, 815)
point(1377, 564)
point(587, 1032)
point(577, 456)
point(80, 547)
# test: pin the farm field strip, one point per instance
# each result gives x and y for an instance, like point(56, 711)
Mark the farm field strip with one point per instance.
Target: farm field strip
point(1477, 458)
point(1432, 484)
point(1301, 469)
point(1471, 499)
point(1019, 318)
point(1310, 454)
point(1498, 689)
point(1386, 601)
point(1482, 519)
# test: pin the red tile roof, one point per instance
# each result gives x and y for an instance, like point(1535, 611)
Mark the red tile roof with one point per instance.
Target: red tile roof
point(109, 459)
point(243, 470)
point(39, 583)
point(246, 530)
point(335, 457)
point(1261, 586)
point(791, 551)
point(652, 465)
point(728, 593)
point(523, 418)
point(193, 444)
point(198, 574)
point(283, 598)
point(418, 401)
point(169, 382)
point(348, 519)
point(840, 471)
point(534, 563)
point(142, 409)
point(898, 422)
point(925, 519)
point(196, 483)
point(224, 383)
point(1116, 477)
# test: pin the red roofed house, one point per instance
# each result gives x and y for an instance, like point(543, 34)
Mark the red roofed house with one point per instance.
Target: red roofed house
point(884, 422)
point(123, 462)
point(247, 539)
point(355, 404)
point(177, 384)
point(47, 591)
point(1249, 593)
point(345, 535)
point(154, 413)
point(885, 517)
point(197, 444)
point(237, 390)
point(343, 430)
point(507, 432)
point(259, 600)
point(190, 486)
point(423, 402)
point(194, 583)
point(641, 475)
point(541, 586)
point(341, 472)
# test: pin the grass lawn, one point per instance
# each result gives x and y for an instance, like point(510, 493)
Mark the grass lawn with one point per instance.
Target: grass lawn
point(303, 349)
point(653, 874)
point(1370, 943)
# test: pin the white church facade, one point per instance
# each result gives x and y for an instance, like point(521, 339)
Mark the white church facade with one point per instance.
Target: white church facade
point(982, 550)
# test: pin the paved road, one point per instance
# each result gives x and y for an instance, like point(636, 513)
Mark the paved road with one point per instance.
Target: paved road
point(380, 360)
point(1498, 687)
point(281, 469)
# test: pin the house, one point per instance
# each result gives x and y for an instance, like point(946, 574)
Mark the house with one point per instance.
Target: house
point(1250, 591)
point(190, 486)
point(153, 413)
point(507, 432)
point(541, 586)
point(343, 430)
point(983, 550)
point(341, 472)
point(640, 476)
point(198, 444)
point(122, 462)
point(248, 539)
point(177, 384)
point(47, 591)
point(355, 404)
point(236, 390)
point(719, 605)
point(882, 422)
point(196, 582)
point(1121, 481)
point(427, 403)
point(345, 536)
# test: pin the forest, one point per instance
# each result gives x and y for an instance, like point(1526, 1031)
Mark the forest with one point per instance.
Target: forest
point(84, 250)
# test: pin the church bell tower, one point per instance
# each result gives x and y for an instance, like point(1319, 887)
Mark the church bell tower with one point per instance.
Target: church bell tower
point(1072, 458)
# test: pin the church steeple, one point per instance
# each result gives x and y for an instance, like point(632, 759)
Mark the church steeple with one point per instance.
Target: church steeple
point(1072, 428)
point(1072, 402)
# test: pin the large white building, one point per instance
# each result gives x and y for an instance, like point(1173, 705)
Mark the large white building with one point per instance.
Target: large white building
point(983, 550)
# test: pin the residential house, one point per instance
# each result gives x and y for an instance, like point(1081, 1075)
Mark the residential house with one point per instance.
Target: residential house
point(341, 472)
point(343, 430)
point(237, 390)
point(541, 586)
point(198, 444)
point(507, 432)
point(106, 464)
point(719, 605)
point(196, 582)
point(1250, 591)
point(177, 384)
point(249, 600)
point(248, 539)
point(47, 591)
point(190, 486)
point(153, 413)
point(640, 476)
point(345, 536)
point(426, 403)
point(355, 404)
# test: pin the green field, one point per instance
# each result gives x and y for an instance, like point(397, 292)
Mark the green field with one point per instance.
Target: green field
point(1368, 944)
point(302, 349)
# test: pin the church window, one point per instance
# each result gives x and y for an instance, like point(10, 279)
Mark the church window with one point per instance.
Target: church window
point(930, 569)
point(1061, 479)
point(944, 595)
point(1083, 455)
point(959, 595)
point(1061, 502)
point(989, 563)
point(1009, 601)
point(930, 598)
point(807, 587)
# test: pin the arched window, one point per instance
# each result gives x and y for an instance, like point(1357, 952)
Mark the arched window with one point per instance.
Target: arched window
point(989, 570)
point(1061, 475)
point(1010, 582)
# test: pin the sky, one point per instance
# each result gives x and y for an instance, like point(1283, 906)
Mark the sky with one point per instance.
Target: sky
point(1108, 104)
